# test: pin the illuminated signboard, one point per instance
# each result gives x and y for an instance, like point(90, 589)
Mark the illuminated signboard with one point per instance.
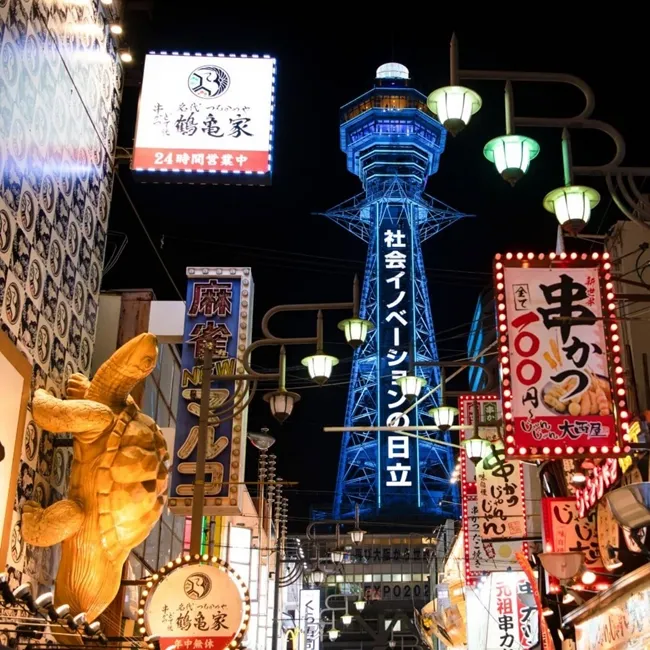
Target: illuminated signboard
point(602, 477)
point(310, 619)
point(219, 303)
point(196, 605)
point(206, 115)
point(560, 353)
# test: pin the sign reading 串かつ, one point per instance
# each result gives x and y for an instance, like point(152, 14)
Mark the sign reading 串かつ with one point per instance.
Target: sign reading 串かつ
point(218, 305)
point(206, 114)
point(197, 606)
point(556, 342)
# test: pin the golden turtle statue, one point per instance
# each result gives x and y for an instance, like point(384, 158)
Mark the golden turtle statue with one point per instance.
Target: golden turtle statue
point(118, 480)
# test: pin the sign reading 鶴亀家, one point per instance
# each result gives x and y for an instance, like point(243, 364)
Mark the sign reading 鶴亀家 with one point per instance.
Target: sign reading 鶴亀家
point(557, 338)
point(309, 619)
point(196, 606)
point(219, 302)
point(210, 114)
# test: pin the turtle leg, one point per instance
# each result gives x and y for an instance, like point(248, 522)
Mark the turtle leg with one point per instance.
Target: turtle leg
point(76, 386)
point(49, 526)
point(76, 416)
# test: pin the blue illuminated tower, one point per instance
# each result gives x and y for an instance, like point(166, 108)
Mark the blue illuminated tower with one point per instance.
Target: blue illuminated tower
point(393, 144)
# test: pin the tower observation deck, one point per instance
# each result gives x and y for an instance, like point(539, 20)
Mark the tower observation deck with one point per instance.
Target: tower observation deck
point(393, 144)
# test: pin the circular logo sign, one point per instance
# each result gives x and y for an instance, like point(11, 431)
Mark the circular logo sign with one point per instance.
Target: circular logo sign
point(197, 604)
point(197, 586)
point(209, 81)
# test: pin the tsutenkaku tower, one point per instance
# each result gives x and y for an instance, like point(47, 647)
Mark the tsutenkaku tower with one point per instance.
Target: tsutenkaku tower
point(393, 144)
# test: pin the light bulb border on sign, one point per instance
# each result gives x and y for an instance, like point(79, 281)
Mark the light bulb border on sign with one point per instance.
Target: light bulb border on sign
point(187, 560)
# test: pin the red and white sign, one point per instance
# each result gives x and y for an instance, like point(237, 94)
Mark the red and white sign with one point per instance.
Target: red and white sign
point(602, 477)
point(197, 606)
point(209, 114)
point(563, 385)
point(493, 503)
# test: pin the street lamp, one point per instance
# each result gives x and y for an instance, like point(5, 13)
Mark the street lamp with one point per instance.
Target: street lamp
point(360, 605)
point(355, 329)
point(320, 365)
point(510, 153)
point(475, 447)
point(357, 536)
point(443, 416)
point(411, 385)
point(571, 204)
point(282, 400)
point(454, 106)
point(317, 576)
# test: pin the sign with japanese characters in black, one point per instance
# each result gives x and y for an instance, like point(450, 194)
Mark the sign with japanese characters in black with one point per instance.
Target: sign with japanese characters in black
point(218, 306)
point(512, 623)
point(565, 531)
point(206, 114)
point(560, 356)
point(197, 606)
point(309, 622)
point(399, 475)
point(493, 502)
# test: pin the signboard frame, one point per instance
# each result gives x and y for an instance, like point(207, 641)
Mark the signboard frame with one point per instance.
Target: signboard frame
point(608, 328)
point(167, 167)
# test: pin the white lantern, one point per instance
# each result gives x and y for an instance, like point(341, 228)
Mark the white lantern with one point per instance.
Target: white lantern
point(320, 366)
point(411, 386)
point(317, 576)
point(511, 155)
point(281, 402)
point(572, 205)
point(357, 536)
point(454, 106)
point(333, 634)
point(355, 330)
point(443, 416)
point(360, 605)
point(475, 448)
point(337, 555)
point(346, 619)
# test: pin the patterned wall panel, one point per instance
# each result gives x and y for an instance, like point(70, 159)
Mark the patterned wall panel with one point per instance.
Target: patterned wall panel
point(60, 89)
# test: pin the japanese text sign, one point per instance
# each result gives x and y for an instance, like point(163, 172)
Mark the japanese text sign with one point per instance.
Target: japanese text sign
point(493, 500)
point(564, 531)
point(309, 619)
point(218, 306)
point(511, 623)
point(210, 114)
point(399, 476)
point(602, 478)
point(197, 607)
point(560, 356)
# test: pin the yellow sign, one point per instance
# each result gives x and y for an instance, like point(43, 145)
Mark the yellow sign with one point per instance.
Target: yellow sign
point(633, 432)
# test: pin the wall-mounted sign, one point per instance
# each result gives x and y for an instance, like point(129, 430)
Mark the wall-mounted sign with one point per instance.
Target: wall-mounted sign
point(493, 503)
point(565, 531)
point(310, 619)
point(219, 303)
point(602, 477)
point(633, 434)
point(563, 385)
point(209, 115)
point(634, 476)
point(608, 536)
point(15, 378)
point(196, 605)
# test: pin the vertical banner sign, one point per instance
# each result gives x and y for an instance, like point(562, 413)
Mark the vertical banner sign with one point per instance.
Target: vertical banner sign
point(560, 356)
point(310, 619)
point(399, 476)
point(219, 302)
point(545, 633)
point(493, 501)
point(207, 114)
point(564, 531)
point(511, 623)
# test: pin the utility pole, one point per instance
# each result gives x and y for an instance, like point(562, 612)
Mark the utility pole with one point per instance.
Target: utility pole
point(198, 492)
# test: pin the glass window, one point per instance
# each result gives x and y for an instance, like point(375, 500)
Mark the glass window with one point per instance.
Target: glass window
point(151, 547)
point(162, 417)
point(150, 400)
point(165, 551)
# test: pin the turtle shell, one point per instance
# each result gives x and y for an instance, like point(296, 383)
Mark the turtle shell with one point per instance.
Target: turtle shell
point(131, 482)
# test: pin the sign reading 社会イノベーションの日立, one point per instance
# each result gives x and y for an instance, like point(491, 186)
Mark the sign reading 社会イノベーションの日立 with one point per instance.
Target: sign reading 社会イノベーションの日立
point(205, 118)
point(561, 356)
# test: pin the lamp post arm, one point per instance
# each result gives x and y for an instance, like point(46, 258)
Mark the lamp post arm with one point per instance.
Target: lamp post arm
point(536, 77)
point(326, 522)
point(339, 306)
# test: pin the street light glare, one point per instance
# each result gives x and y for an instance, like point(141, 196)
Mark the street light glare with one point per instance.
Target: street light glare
point(511, 155)
point(572, 205)
point(320, 366)
point(454, 106)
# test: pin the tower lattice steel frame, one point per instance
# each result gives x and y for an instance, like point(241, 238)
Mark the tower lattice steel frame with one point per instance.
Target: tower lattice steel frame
point(393, 143)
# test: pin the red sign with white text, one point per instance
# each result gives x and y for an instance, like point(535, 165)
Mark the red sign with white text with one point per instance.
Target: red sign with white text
point(563, 385)
point(602, 477)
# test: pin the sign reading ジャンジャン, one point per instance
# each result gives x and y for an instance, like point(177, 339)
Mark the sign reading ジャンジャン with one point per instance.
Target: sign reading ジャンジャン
point(218, 306)
point(563, 385)
point(196, 605)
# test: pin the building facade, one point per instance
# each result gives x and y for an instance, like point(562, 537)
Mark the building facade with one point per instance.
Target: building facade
point(60, 89)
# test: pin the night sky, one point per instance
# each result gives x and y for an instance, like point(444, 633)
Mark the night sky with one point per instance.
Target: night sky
point(297, 256)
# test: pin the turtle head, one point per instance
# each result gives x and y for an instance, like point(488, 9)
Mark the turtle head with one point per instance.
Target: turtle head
point(128, 366)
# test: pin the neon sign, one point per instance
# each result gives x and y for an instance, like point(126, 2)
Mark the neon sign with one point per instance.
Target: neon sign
point(603, 477)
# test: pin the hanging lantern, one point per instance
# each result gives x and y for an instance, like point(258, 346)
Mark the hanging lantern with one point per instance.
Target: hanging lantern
point(444, 416)
point(572, 206)
point(511, 155)
point(454, 106)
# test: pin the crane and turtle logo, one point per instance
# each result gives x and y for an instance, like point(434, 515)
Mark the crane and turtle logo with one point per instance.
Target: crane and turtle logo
point(209, 82)
point(197, 586)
